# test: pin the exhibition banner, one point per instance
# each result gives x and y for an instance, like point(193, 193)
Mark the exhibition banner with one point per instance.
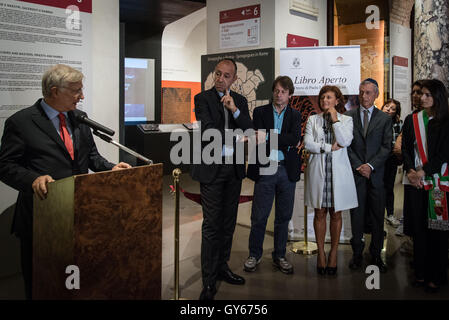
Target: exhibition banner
point(311, 68)
point(255, 74)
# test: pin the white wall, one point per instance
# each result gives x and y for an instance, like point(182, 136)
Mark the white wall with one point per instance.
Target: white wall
point(267, 19)
point(183, 43)
point(105, 82)
point(105, 71)
point(276, 22)
point(298, 24)
point(400, 45)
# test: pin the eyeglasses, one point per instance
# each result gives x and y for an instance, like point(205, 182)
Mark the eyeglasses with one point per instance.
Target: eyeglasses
point(74, 91)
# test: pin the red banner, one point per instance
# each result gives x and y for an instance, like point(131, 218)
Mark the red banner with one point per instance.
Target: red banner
point(83, 5)
point(400, 61)
point(243, 13)
point(298, 41)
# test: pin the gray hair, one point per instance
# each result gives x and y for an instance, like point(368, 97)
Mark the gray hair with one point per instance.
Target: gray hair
point(364, 82)
point(59, 76)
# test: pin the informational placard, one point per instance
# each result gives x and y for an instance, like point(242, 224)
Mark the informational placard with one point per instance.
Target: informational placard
point(34, 35)
point(311, 68)
point(240, 27)
point(401, 85)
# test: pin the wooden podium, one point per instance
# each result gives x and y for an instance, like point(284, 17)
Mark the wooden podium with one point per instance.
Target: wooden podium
point(109, 225)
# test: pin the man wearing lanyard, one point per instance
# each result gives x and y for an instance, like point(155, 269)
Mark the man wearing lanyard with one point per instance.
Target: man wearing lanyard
point(281, 120)
point(220, 109)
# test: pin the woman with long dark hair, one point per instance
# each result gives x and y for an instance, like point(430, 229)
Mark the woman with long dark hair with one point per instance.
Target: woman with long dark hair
point(406, 227)
point(425, 150)
point(392, 107)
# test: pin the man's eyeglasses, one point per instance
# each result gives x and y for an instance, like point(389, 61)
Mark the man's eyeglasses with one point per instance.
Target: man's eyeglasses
point(74, 91)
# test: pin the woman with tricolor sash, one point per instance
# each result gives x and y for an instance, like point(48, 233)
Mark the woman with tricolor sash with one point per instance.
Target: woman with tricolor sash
point(408, 209)
point(425, 153)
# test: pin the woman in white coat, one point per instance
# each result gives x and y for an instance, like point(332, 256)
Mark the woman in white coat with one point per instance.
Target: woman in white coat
point(329, 179)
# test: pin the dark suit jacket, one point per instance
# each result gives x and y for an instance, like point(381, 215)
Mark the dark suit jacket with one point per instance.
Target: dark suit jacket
point(437, 145)
point(31, 147)
point(289, 137)
point(375, 148)
point(209, 110)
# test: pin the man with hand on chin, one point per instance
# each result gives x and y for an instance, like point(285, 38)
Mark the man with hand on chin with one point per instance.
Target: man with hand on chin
point(220, 183)
point(44, 143)
point(369, 150)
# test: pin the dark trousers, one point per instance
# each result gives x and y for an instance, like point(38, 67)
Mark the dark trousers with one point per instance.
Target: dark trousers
point(219, 200)
point(437, 246)
point(415, 211)
point(391, 169)
point(415, 221)
point(371, 206)
point(26, 257)
point(265, 190)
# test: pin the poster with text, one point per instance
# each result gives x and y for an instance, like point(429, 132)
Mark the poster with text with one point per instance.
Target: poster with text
point(311, 68)
point(240, 27)
point(401, 83)
point(34, 35)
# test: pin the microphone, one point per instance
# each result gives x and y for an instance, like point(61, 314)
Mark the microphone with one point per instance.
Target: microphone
point(94, 125)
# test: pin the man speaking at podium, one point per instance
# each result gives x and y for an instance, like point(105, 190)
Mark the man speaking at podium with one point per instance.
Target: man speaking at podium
point(44, 143)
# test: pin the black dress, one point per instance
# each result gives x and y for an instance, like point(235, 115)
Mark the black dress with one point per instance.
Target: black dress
point(430, 247)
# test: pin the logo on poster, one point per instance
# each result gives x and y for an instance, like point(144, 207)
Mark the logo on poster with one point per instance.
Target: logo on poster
point(340, 62)
point(296, 63)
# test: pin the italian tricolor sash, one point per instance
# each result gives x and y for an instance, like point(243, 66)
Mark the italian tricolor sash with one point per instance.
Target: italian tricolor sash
point(438, 184)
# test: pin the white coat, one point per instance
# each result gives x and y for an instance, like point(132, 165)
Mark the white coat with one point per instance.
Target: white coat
point(343, 185)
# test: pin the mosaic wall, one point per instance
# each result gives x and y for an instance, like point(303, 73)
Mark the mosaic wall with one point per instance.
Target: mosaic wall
point(432, 40)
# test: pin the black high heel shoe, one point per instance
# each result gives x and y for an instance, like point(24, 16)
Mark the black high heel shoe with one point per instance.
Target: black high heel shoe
point(332, 271)
point(321, 270)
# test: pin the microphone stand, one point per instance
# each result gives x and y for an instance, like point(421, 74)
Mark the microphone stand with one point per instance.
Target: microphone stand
point(109, 139)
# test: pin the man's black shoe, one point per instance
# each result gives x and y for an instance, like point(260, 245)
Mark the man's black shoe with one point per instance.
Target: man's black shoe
point(230, 277)
point(356, 262)
point(380, 264)
point(208, 293)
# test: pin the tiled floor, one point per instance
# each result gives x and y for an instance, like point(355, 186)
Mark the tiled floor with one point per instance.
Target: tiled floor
point(266, 282)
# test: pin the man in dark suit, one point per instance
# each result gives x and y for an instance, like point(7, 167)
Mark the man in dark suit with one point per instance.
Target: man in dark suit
point(44, 143)
point(368, 152)
point(279, 120)
point(220, 183)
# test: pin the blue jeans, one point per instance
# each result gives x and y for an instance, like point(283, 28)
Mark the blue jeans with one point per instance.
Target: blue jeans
point(265, 191)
